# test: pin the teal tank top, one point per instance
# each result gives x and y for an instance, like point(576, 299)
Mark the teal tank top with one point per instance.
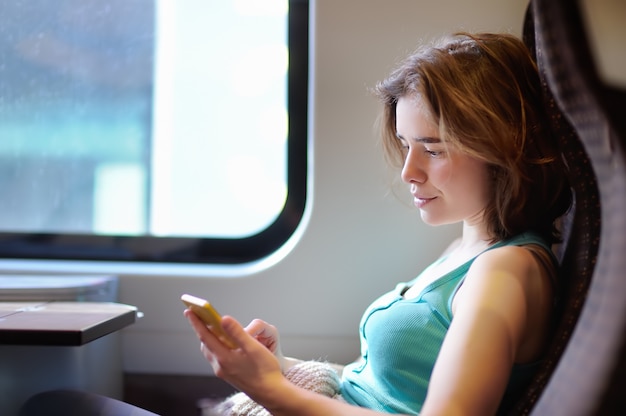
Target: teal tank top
point(400, 341)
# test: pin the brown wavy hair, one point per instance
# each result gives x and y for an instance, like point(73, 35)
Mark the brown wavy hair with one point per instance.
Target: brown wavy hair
point(484, 92)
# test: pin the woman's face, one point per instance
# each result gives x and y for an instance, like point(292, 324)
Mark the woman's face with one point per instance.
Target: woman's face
point(447, 186)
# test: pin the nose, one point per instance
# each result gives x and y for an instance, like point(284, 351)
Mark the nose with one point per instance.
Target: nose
point(412, 169)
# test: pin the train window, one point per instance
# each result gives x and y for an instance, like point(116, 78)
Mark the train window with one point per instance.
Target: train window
point(152, 130)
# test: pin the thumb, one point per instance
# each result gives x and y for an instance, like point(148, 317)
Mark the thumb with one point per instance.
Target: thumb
point(235, 332)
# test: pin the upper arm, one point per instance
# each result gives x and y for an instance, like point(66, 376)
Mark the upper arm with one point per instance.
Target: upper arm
point(490, 319)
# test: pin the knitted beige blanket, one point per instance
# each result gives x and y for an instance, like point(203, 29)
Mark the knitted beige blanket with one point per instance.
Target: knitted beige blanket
point(311, 375)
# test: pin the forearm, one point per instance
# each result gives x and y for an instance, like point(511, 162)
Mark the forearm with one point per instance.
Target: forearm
point(288, 399)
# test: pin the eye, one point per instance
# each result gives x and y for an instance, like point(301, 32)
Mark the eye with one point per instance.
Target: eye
point(434, 153)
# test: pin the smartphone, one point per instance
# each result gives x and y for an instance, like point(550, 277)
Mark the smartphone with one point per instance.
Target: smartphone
point(207, 313)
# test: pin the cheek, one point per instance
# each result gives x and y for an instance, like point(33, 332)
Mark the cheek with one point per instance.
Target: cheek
point(476, 186)
point(469, 180)
point(445, 176)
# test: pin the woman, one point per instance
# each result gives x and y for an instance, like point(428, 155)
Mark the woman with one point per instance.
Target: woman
point(464, 120)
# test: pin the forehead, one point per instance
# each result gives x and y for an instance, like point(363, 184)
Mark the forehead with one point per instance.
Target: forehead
point(413, 118)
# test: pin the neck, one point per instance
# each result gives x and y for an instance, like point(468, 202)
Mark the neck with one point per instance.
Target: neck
point(474, 237)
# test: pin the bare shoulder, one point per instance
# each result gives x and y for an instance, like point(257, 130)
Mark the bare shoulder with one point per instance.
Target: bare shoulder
point(511, 270)
point(501, 316)
point(517, 260)
point(511, 282)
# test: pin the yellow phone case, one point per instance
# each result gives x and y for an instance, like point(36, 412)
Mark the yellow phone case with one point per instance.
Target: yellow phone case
point(207, 313)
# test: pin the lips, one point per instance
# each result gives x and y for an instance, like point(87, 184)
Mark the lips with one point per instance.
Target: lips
point(421, 201)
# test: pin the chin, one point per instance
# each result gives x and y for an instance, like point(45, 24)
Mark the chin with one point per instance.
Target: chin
point(432, 221)
point(436, 221)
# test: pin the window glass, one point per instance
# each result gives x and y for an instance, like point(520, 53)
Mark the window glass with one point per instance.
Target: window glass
point(172, 120)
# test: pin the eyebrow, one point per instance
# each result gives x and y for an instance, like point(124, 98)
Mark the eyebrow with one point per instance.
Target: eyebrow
point(421, 139)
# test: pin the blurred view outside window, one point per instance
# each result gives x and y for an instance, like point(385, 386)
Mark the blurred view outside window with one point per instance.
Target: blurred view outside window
point(139, 118)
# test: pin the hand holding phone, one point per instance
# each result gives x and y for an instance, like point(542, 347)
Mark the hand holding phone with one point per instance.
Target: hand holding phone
point(203, 310)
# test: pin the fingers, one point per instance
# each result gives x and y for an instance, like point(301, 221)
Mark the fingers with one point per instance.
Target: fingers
point(265, 333)
point(256, 327)
point(260, 328)
point(244, 339)
point(236, 332)
point(242, 367)
point(205, 335)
